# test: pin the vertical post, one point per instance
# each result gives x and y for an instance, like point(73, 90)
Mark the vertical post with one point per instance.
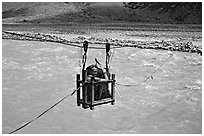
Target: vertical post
point(113, 90)
point(107, 59)
point(92, 94)
point(85, 45)
point(78, 89)
point(84, 90)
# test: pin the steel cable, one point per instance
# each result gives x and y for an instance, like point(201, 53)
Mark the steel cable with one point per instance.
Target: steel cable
point(66, 42)
point(151, 76)
point(29, 122)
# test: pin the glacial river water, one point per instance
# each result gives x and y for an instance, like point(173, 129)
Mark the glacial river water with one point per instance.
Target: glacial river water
point(35, 75)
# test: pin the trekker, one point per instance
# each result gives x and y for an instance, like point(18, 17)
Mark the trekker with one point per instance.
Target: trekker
point(101, 89)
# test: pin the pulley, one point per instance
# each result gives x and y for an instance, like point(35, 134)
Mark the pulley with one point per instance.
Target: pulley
point(85, 45)
point(107, 47)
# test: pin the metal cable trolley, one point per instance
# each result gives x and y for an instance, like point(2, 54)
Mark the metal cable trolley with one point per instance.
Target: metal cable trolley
point(98, 85)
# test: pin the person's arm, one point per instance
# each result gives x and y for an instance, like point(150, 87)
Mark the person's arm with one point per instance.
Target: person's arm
point(105, 74)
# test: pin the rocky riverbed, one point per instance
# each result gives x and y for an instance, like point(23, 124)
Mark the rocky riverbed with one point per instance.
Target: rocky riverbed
point(162, 45)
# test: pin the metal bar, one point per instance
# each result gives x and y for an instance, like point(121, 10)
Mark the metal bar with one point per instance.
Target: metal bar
point(78, 89)
point(96, 82)
point(99, 102)
point(113, 89)
point(103, 101)
point(92, 94)
point(84, 90)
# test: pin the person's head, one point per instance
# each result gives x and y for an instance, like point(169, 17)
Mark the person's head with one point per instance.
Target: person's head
point(95, 71)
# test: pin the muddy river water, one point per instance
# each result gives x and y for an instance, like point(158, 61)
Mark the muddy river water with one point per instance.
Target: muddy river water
point(35, 75)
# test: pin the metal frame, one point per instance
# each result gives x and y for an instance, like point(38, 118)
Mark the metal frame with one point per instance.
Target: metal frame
point(83, 99)
point(82, 94)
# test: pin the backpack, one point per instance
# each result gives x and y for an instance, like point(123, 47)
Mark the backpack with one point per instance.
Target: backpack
point(95, 71)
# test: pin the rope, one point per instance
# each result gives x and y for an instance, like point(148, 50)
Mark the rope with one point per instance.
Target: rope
point(29, 122)
point(117, 90)
point(151, 76)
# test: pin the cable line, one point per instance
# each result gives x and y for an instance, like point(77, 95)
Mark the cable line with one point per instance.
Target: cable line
point(29, 122)
point(151, 76)
point(65, 42)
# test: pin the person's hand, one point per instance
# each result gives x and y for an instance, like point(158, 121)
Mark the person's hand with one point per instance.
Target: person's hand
point(104, 70)
point(103, 80)
point(88, 78)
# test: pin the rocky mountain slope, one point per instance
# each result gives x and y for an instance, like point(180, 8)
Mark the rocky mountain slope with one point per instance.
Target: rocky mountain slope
point(68, 12)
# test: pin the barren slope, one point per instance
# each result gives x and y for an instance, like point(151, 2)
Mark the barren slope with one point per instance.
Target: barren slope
point(65, 12)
